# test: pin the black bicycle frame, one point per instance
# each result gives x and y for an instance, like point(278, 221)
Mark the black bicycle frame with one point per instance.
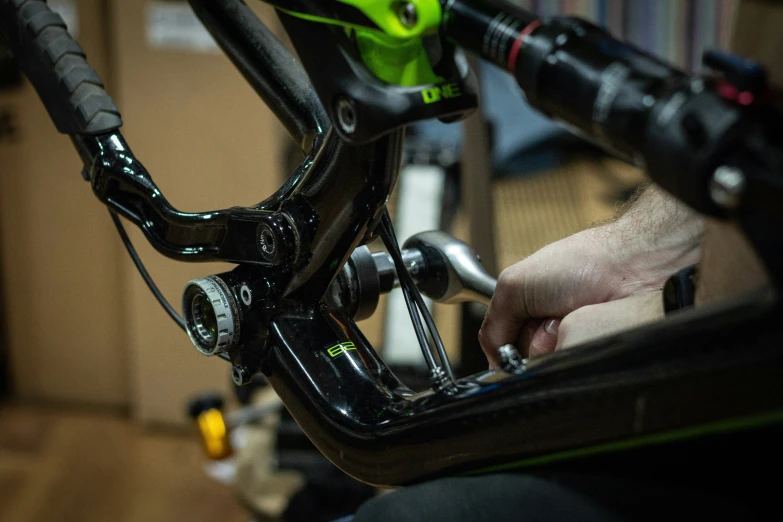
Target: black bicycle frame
point(675, 380)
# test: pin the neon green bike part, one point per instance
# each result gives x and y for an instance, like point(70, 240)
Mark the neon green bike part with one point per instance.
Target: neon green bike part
point(399, 62)
point(385, 15)
point(393, 53)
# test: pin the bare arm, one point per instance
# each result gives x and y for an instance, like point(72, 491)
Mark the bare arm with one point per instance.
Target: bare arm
point(651, 239)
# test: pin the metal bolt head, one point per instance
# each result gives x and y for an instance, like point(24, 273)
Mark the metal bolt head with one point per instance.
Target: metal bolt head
point(509, 358)
point(346, 115)
point(240, 375)
point(440, 382)
point(277, 238)
point(246, 295)
point(437, 377)
point(267, 241)
point(408, 15)
point(727, 186)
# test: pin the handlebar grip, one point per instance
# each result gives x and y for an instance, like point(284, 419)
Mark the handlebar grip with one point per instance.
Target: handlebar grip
point(55, 64)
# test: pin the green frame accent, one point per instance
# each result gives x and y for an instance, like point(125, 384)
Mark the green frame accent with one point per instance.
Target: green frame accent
point(384, 14)
point(398, 62)
point(340, 348)
point(725, 426)
point(393, 53)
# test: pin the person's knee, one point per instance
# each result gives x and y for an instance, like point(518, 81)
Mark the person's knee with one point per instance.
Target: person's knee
point(496, 498)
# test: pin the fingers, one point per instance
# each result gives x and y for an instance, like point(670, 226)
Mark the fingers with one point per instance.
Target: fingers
point(544, 339)
point(526, 335)
point(505, 316)
point(601, 320)
point(536, 337)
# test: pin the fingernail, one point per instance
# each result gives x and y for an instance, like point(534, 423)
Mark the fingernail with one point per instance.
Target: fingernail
point(550, 326)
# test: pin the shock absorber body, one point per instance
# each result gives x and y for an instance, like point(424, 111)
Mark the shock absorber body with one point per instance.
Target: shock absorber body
point(679, 128)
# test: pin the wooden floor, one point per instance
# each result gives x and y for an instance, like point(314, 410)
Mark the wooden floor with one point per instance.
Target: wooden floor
point(58, 466)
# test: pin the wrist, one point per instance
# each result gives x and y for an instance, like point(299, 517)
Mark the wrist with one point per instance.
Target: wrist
point(642, 258)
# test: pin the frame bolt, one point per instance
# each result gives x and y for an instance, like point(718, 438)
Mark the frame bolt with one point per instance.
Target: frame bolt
point(727, 186)
point(438, 379)
point(277, 240)
point(408, 15)
point(240, 375)
point(346, 115)
point(509, 359)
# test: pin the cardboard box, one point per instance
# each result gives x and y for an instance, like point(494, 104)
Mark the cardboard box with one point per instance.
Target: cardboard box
point(757, 35)
point(62, 280)
point(209, 142)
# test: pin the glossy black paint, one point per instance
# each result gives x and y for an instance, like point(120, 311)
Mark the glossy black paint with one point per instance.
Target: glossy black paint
point(697, 369)
point(347, 194)
point(122, 183)
point(338, 74)
point(328, 205)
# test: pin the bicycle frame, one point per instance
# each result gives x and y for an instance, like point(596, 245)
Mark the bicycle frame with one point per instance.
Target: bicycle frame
point(609, 395)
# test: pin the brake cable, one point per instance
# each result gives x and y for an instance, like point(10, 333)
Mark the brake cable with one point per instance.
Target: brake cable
point(416, 306)
point(134, 255)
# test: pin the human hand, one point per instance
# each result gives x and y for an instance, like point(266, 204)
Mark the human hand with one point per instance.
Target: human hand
point(595, 321)
point(631, 256)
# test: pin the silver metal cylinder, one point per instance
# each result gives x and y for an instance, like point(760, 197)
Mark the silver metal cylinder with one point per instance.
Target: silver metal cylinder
point(211, 315)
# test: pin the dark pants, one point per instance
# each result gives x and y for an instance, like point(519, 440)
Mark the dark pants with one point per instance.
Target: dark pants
point(554, 497)
point(730, 477)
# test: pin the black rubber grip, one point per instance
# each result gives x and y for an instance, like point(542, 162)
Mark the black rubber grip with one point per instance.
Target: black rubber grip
point(56, 65)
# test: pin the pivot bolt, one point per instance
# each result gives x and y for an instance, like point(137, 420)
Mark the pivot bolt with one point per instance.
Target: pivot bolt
point(246, 295)
point(277, 240)
point(408, 15)
point(509, 359)
point(727, 186)
point(240, 375)
point(438, 379)
point(346, 115)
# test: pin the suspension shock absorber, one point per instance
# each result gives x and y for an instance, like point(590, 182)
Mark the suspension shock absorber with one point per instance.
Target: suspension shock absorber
point(629, 102)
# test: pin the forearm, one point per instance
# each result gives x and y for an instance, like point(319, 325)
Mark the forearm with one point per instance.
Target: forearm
point(653, 238)
point(657, 235)
point(635, 254)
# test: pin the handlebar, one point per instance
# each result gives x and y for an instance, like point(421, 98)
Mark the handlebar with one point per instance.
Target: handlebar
point(56, 65)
